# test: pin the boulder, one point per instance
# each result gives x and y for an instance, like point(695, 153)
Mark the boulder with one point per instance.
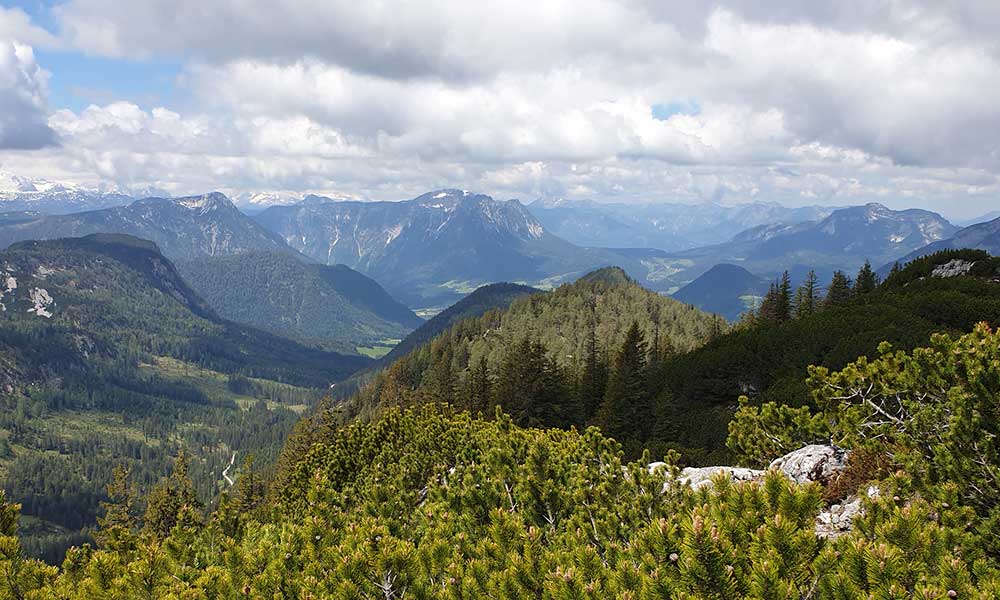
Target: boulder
point(811, 463)
point(838, 519)
point(701, 476)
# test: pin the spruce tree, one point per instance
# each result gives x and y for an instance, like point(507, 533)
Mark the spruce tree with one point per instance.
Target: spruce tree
point(595, 375)
point(172, 502)
point(118, 522)
point(806, 296)
point(626, 409)
point(839, 291)
point(866, 280)
point(777, 304)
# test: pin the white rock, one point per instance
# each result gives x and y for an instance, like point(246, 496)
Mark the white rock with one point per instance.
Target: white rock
point(837, 520)
point(701, 476)
point(811, 463)
point(42, 301)
point(952, 268)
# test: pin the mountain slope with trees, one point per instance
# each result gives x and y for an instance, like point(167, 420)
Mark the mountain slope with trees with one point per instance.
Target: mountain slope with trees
point(331, 306)
point(766, 357)
point(584, 353)
point(108, 357)
point(727, 290)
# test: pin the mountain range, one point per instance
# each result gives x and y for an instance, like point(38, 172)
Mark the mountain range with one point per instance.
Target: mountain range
point(188, 227)
point(843, 240)
point(661, 225)
point(435, 248)
point(980, 236)
point(25, 194)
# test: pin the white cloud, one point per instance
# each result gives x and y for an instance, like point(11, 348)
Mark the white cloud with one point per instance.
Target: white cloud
point(23, 91)
point(795, 101)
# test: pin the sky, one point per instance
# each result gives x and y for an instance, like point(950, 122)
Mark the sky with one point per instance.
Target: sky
point(797, 102)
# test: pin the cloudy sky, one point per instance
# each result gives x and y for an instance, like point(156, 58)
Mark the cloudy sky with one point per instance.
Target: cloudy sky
point(799, 102)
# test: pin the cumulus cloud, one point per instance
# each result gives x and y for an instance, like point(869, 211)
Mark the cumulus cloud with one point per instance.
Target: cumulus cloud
point(797, 101)
point(23, 90)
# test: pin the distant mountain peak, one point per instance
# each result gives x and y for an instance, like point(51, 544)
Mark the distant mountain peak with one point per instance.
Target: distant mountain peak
point(206, 202)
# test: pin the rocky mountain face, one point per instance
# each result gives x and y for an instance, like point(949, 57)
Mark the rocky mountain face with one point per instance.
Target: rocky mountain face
point(666, 226)
point(331, 306)
point(432, 249)
point(843, 240)
point(208, 225)
point(25, 194)
point(981, 236)
point(871, 231)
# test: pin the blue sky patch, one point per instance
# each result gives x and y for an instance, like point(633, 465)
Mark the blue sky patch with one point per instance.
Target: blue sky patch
point(662, 111)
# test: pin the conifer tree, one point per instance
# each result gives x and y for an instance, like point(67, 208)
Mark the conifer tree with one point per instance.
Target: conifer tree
point(777, 304)
point(480, 387)
point(172, 502)
point(806, 296)
point(866, 280)
point(595, 375)
point(626, 408)
point(840, 290)
point(118, 522)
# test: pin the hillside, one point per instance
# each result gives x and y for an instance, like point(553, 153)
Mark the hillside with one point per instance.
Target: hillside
point(727, 290)
point(549, 358)
point(434, 249)
point(109, 358)
point(189, 227)
point(489, 297)
point(331, 306)
point(769, 361)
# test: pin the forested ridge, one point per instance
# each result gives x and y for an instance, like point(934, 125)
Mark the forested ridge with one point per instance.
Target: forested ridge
point(586, 353)
point(430, 502)
point(108, 358)
point(330, 306)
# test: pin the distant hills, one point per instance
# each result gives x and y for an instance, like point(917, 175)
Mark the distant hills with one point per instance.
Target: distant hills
point(843, 240)
point(112, 295)
point(727, 290)
point(332, 306)
point(662, 225)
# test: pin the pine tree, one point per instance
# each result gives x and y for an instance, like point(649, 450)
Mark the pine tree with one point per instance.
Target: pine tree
point(777, 304)
point(118, 523)
point(480, 387)
point(839, 291)
point(172, 502)
point(806, 296)
point(866, 281)
point(595, 375)
point(626, 409)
